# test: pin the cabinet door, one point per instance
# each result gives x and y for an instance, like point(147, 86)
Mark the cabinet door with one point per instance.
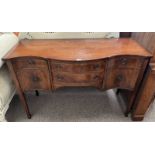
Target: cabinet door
point(121, 78)
point(34, 79)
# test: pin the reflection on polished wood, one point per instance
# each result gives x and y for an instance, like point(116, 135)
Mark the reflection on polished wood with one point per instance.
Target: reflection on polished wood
point(77, 50)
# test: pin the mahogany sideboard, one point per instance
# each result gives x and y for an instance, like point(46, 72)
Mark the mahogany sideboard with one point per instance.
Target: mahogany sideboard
point(102, 63)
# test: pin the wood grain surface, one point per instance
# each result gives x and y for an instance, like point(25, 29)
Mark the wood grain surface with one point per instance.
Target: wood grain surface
point(77, 50)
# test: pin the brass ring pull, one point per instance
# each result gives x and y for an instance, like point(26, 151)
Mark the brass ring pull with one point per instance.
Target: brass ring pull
point(119, 78)
point(58, 66)
point(60, 77)
point(31, 62)
point(96, 66)
point(96, 77)
point(123, 61)
point(35, 79)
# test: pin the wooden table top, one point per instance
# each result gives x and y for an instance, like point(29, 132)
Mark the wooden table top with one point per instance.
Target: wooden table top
point(77, 50)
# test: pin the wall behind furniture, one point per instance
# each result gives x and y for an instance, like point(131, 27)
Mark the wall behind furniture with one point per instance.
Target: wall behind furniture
point(67, 35)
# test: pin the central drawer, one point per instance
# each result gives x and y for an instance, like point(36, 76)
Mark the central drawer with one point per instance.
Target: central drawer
point(88, 79)
point(78, 78)
point(88, 73)
point(78, 67)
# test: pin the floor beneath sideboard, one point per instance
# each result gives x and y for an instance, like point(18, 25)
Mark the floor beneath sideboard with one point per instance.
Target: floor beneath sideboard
point(72, 105)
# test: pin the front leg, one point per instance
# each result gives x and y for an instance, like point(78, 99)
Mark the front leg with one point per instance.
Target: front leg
point(19, 89)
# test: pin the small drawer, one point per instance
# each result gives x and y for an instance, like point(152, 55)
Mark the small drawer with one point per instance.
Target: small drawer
point(34, 79)
point(78, 78)
point(78, 67)
point(21, 63)
point(126, 62)
point(121, 78)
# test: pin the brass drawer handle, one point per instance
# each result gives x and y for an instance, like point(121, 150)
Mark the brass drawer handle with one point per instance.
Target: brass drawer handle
point(31, 62)
point(58, 66)
point(35, 79)
point(119, 78)
point(96, 66)
point(60, 77)
point(123, 61)
point(96, 77)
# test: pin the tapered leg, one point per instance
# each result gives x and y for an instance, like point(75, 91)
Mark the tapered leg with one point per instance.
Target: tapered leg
point(19, 90)
point(23, 101)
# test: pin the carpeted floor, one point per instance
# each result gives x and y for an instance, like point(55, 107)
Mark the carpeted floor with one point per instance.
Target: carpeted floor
point(73, 105)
